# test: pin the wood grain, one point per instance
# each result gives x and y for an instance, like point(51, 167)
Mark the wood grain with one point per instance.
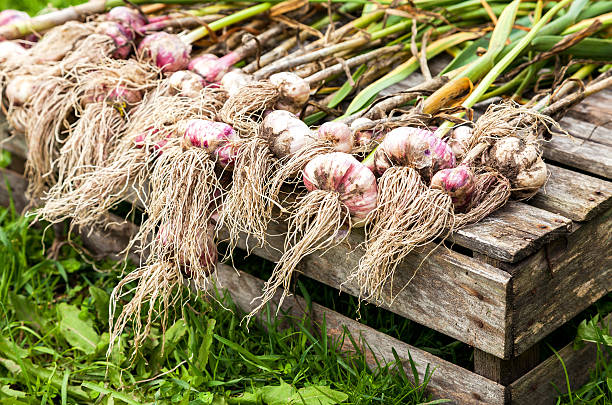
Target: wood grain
point(538, 386)
point(448, 380)
point(512, 233)
point(595, 109)
point(505, 371)
point(574, 195)
point(452, 293)
point(559, 281)
point(582, 154)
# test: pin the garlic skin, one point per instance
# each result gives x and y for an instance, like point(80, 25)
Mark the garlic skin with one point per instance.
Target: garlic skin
point(121, 94)
point(520, 162)
point(214, 69)
point(120, 36)
point(363, 137)
point(342, 173)
point(166, 51)
point(233, 80)
point(129, 18)
point(9, 16)
point(185, 83)
point(208, 135)
point(285, 133)
point(458, 182)
point(460, 139)
point(338, 134)
point(20, 89)
point(412, 147)
point(11, 50)
point(294, 91)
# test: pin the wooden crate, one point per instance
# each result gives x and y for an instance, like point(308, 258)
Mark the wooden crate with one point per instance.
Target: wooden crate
point(501, 287)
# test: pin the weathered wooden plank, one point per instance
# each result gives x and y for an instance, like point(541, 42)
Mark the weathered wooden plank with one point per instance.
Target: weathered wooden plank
point(562, 279)
point(538, 386)
point(587, 130)
point(580, 153)
point(574, 195)
point(513, 232)
point(13, 187)
point(595, 109)
point(505, 371)
point(452, 293)
point(448, 380)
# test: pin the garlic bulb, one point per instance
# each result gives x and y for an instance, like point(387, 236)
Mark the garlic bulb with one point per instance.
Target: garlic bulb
point(412, 147)
point(285, 133)
point(294, 91)
point(520, 162)
point(342, 173)
point(459, 183)
point(337, 134)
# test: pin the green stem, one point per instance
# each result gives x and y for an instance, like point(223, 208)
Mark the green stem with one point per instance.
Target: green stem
point(581, 74)
point(506, 87)
point(202, 32)
point(503, 64)
point(404, 70)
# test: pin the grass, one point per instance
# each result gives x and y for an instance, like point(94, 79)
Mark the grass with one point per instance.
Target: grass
point(53, 342)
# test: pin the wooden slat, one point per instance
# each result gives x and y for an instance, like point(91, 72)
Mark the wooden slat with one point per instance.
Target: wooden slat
point(448, 380)
point(574, 195)
point(505, 371)
point(595, 109)
point(587, 130)
point(580, 153)
point(538, 386)
point(513, 232)
point(452, 293)
point(562, 279)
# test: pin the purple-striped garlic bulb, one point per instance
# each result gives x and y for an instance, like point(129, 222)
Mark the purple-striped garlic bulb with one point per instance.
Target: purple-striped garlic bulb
point(459, 183)
point(185, 83)
point(338, 134)
point(118, 94)
point(285, 133)
point(412, 147)
point(342, 173)
point(233, 80)
point(10, 16)
point(129, 18)
point(520, 162)
point(121, 94)
point(217, 138)
point(121, 37)
point(166, 51)
point(214, 69)
point(294, 91)
point(152, 139)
